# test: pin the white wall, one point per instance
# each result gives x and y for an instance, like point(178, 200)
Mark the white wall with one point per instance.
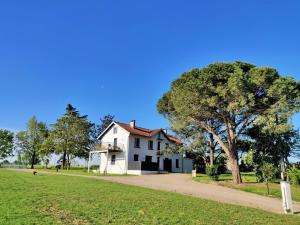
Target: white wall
point(120, 165)
point(143, 151)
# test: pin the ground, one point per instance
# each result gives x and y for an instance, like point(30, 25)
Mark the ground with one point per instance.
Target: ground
point(55, 199)
point(249, 185)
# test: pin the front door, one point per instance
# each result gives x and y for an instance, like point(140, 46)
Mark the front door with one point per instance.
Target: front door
point(148, 159)
point(167, 165)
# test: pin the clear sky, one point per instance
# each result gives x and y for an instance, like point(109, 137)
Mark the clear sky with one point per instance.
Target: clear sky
point(119, 57)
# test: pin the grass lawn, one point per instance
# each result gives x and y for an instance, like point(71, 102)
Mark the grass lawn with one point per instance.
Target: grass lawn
point(53, 199)
point(79, 170)
point(249, 184)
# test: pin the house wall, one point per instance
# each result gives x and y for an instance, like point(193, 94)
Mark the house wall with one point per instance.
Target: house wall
point(120, 165)
point(143, 151)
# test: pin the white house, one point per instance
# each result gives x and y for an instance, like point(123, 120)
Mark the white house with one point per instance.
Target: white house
point(129, 149)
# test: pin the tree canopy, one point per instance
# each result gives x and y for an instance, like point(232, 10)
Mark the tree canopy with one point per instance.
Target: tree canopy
point(6, 143)
point(29, 142)
point(70, 136)
point(236, 95)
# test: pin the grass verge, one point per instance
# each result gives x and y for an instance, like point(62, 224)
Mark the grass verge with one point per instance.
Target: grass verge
point(45, 199)
point(249, 184)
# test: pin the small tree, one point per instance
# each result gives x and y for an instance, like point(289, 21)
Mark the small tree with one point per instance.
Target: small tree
point(6, 143)
point(29, 142)
point(268, 173)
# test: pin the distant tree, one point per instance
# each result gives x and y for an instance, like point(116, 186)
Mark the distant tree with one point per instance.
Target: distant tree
point(197, 140)
point(29, 142)
point(236, 95)
point(70, 136)
point(105, 122)
point(6, 143)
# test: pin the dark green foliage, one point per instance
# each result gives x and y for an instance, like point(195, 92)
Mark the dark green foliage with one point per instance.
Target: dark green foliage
point(236, 95)
point(272, 147)
point(94, 167)
point(212, 171)
point(105, 122)
point(294, 176)
point(70, 136)
point(29, 142)
point(6, 143)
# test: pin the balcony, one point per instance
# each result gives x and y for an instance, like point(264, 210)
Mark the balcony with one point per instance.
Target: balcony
point(110, 147)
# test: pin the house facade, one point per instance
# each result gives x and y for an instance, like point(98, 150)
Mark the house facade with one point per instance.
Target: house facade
point(129, 149)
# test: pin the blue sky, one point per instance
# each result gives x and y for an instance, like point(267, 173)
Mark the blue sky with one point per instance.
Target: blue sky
point(119, 57)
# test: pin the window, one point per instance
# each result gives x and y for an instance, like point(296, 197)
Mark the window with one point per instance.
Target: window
point(135, 157)
point(137, 143)
point(113, 159)
point(150, 145)
point(148, 158)
point(115, 130)
point(115, 142)
point(158, 145)
point(177, 163)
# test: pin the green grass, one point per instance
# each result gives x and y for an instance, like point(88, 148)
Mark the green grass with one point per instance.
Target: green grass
point(53, 199)
point(250, 185)
point(81, 171)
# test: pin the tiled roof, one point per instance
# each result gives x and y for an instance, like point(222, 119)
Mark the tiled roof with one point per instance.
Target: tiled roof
point(146, 132)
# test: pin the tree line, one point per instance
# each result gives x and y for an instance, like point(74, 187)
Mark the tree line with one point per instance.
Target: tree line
point(72, 135)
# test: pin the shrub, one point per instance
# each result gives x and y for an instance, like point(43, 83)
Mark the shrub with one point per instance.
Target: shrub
point(94, 167)
point(212, 172)
point(294, 176)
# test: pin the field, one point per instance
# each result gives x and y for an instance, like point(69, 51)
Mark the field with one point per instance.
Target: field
point(54, 199)
point(249, 184)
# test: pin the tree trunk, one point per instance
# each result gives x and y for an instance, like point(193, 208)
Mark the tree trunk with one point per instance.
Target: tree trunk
point(64, 160)
point(32, 160)
point(211, 149)
point(68, 162)
point(235, 170)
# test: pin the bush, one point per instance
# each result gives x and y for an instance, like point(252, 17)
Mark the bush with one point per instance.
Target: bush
point(94, 167)
point(212, 171)
point(294, 176)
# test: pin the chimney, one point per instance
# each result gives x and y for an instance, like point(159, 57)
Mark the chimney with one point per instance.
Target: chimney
point(132, 123)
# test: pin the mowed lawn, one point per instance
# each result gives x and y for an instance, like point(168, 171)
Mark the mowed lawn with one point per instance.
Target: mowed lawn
point(249, 185)
point(56, 199)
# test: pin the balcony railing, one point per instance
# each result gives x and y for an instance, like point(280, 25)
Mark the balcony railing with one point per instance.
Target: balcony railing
point(110, 146)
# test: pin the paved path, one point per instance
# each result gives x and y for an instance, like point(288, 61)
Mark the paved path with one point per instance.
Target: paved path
point(183, 184)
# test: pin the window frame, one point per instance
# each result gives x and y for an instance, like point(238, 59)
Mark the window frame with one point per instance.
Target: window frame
point(150, 147)
point(177, 163)
point(115, 130)
point(136, 157)
point(113, 160)
point(137, 144)
point(158, 146)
